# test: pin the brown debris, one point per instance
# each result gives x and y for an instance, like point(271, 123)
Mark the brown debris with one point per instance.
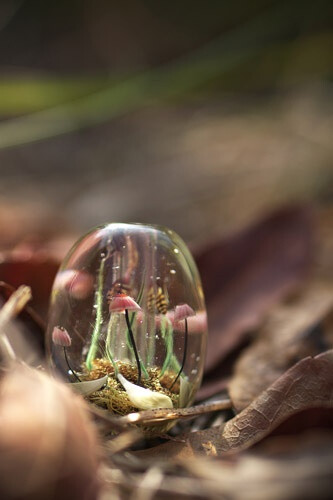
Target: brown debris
point(299, 328)
point(308, 384)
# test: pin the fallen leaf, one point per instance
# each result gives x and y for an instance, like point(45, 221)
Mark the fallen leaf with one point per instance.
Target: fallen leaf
point(287, 468)
point(87, 387)
point(291, 332)
point(248, 273)
point(36, 272)
point(282, 469)
point(307, 385)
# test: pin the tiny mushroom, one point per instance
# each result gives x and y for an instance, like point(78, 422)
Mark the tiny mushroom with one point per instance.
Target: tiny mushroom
point(61, 337)
point(122, 303)
point(183, 311)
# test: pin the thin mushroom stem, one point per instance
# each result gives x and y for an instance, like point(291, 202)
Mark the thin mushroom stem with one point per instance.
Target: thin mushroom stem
point(184, 355)
point(134, 346)
point(69, 366)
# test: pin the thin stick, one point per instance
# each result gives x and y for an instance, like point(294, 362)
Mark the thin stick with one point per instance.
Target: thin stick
point(184, 355)
point(162, 414)
point(134, 346)
point(108, 346)
point(69, 366)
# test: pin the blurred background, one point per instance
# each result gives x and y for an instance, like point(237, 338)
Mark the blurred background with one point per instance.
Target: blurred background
point(202, 116)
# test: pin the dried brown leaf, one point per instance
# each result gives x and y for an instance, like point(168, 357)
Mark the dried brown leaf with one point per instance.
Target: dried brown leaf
point(28, 326)
point(291, 332)
point(307, 385)
point(287, 468)
point(281, 468)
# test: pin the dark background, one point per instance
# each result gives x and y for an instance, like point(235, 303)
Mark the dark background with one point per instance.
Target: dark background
point(199, 115)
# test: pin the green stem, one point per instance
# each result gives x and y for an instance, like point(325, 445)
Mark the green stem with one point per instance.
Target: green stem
point(134, 347)
point(108, 347)
point(174, 363)
point(167, 334)
point(129, 343)
point(99, 303)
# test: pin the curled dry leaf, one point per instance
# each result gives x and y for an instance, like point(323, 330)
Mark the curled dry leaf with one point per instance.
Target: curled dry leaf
point(143, 398)
point(87, 387)
point(307, 385)
point(25, 331)
point(245, 275)
point(291, 332)
point(16, 302)
point(28, 314)
point(47, 444)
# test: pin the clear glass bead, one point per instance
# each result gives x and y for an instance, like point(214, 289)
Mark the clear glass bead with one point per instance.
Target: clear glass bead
point(127, 323)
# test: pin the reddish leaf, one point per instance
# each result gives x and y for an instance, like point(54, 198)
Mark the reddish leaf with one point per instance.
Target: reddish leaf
point(38, 273)
point(245, 275)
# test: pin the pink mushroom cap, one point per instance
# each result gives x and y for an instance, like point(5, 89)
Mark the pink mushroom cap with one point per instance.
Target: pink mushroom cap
point(61, 337)
point(183, 311)
point(121, 302)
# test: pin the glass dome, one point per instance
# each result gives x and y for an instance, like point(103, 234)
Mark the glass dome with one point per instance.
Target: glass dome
point(127, 323)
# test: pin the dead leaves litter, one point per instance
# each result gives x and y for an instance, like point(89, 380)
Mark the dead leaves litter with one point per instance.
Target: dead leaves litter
point(292, 331)
point(308, 384)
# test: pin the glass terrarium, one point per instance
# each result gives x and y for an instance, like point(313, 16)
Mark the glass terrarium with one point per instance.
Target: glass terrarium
point(127, 323)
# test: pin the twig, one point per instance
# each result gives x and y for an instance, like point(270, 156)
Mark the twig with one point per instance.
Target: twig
point(173, 414)
point(14, 305)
